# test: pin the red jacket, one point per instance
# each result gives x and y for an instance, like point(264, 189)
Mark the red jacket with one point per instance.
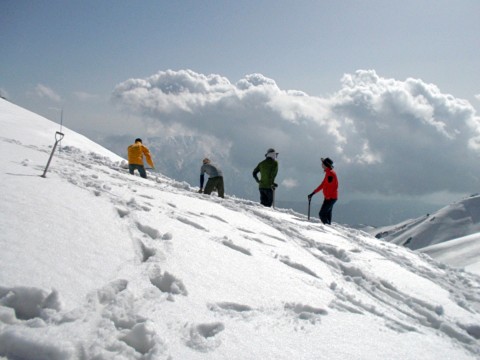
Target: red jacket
point(329, 185)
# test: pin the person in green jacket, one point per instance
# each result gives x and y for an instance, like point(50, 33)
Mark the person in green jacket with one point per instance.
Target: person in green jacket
point(268, 170)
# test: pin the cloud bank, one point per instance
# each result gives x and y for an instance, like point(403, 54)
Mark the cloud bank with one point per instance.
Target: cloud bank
point(386, 136)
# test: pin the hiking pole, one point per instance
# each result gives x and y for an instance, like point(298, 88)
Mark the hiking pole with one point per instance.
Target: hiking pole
point(309, 202)
point(58, 137)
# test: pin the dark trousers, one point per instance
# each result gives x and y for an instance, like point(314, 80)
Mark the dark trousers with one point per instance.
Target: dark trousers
point(266, 197)
point(140, 168)
point(325, 213)
point(215, 183)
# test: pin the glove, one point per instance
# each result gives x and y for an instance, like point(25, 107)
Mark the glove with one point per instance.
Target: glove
point(200, 191)
point(310, 196)
point(274, 186)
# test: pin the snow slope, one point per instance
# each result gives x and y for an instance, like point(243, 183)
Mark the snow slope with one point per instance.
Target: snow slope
point(99, 264)
point(447, 235)
point(463, 252)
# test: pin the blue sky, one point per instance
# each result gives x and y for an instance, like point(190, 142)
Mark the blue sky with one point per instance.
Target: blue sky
point(308, 45)
point(89, 57)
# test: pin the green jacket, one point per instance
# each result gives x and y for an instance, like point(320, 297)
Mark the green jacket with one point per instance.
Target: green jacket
point(268, 169)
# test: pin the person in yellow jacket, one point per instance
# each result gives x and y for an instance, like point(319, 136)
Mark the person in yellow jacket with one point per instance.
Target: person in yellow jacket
point(136, 152)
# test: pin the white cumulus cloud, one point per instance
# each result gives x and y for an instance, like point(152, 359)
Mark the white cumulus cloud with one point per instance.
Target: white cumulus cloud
point(290, 183)
point(43, 91)
point(385, 135)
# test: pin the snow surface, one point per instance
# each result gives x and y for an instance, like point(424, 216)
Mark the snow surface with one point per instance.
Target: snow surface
point(99, 264)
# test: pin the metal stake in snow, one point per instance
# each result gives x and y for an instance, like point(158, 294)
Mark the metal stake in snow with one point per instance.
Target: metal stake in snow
point(58, 137)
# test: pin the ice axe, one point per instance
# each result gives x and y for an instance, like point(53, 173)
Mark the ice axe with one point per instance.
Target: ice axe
point(274, 187)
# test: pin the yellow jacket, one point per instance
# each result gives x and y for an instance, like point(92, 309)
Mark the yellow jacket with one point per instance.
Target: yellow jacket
point(136, 153)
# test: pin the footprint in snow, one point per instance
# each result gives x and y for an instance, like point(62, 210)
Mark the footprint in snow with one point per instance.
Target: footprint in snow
point(256, 240)
point(143, 338)
point(231, 245)
point(108, 293)
point(147, 196)
point(132, 203)
point(246, 231)
point(229, 307)
point(122, 212)
point(306, 312)
point(274, 237)
point(334, 251)
point(124, 326)
point(191, 223)
point(29, 302)
point(167, 283)
point(150, 231)
point(298, 266)
point(167, 236)
point(146, 252)
point(218, 218)
point(204, 337)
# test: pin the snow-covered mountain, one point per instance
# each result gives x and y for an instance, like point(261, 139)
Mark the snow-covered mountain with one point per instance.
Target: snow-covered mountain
point(99, 264)
point(449, 235)
point(463, 252)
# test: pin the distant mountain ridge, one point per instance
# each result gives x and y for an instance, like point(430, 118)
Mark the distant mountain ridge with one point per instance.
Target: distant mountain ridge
point(456, 220)
point(449, 235)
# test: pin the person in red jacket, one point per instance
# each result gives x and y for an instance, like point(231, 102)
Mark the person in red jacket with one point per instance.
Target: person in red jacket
point(329, 186)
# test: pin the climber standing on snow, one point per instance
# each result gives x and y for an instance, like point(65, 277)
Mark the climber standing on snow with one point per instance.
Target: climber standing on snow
point(215, 178)
point(136, 152)
point(329, 186)
point(268, 170)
